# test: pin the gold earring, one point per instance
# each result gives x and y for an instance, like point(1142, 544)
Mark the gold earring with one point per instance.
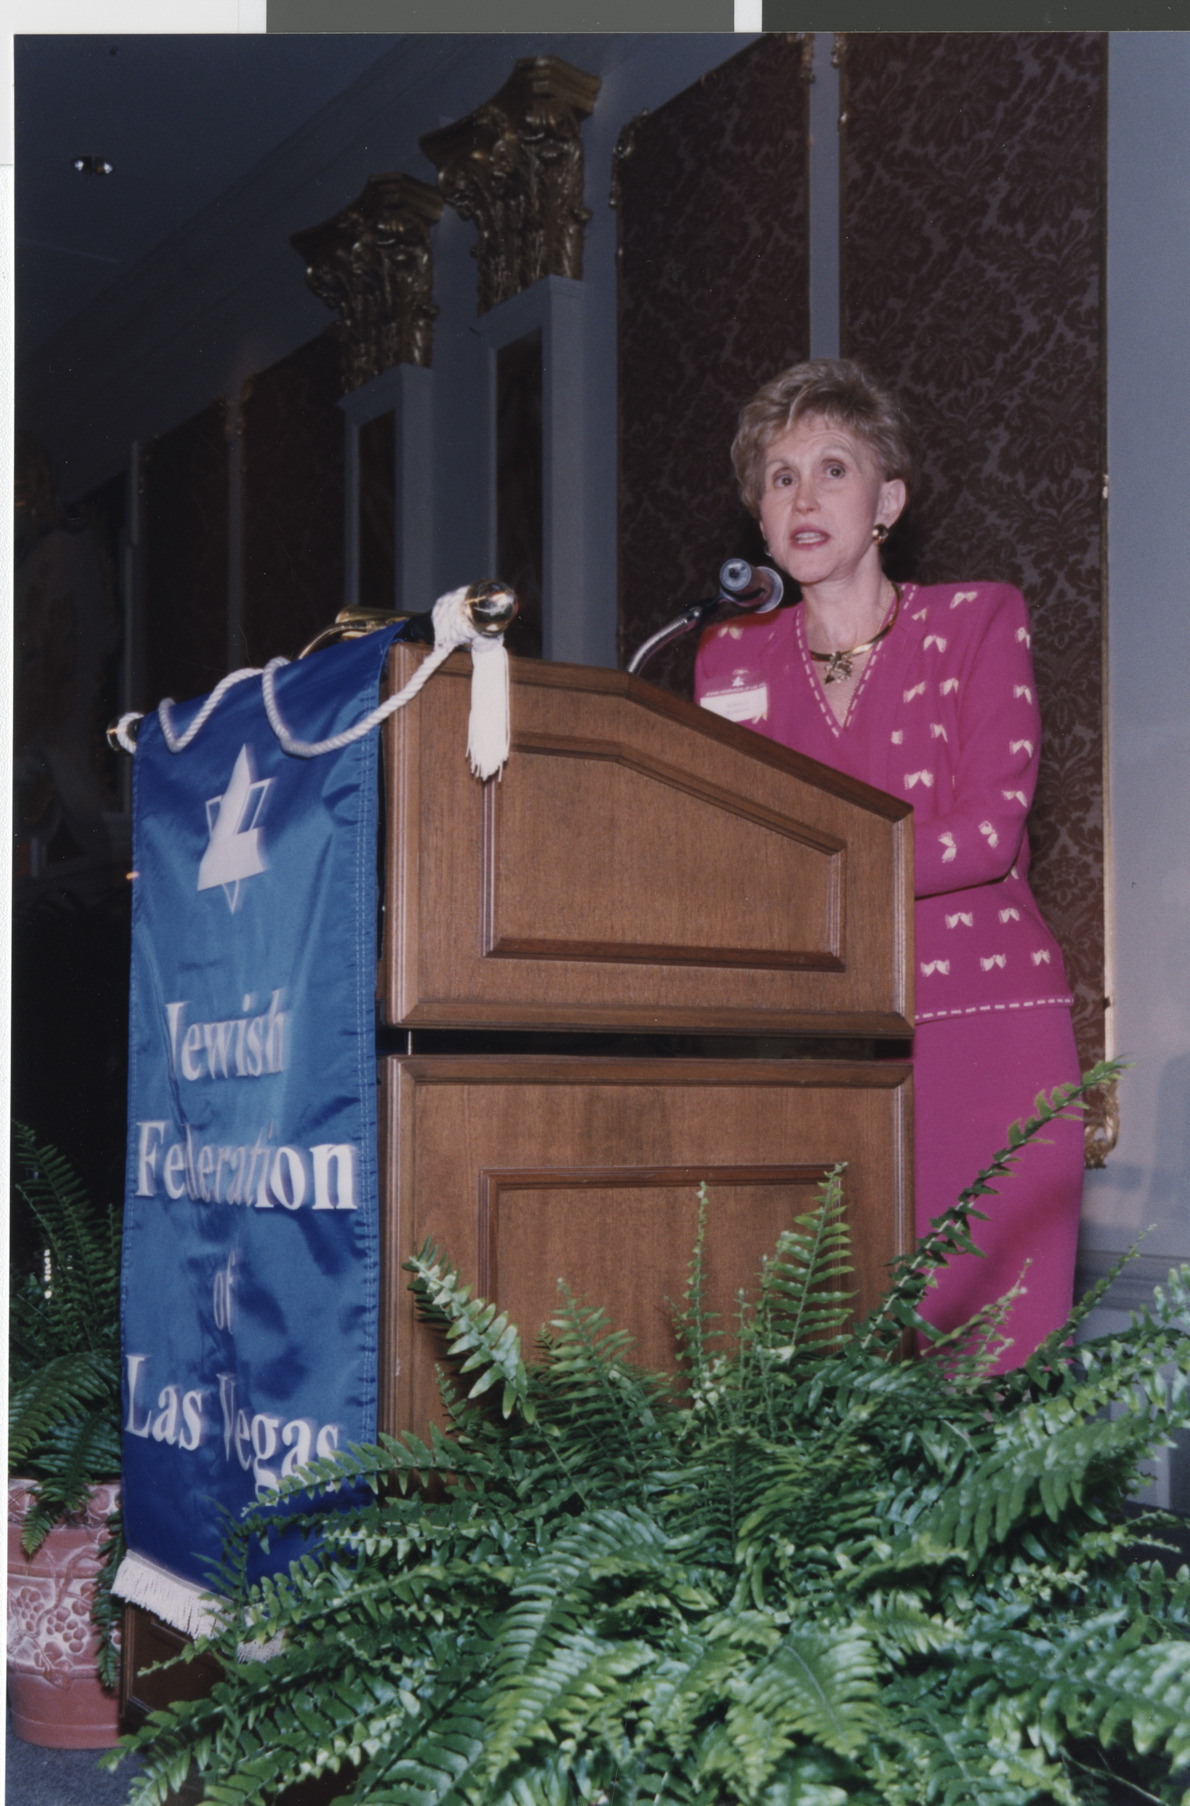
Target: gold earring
point(880, 532)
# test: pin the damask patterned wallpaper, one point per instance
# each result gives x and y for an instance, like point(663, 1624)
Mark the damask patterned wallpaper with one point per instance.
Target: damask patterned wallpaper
point(973, 199)
point(184, 499)
point(293, 501)
point(713, 295)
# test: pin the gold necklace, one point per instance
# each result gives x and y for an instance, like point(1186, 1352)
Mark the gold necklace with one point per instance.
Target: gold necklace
point(838, 664)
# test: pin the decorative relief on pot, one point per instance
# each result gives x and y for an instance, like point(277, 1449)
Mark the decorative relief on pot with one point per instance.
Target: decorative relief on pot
point(52, 1642)
point(515, 166)
point(373, 263)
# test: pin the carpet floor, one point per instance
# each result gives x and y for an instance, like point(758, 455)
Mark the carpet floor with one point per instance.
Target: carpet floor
point(39, 1777)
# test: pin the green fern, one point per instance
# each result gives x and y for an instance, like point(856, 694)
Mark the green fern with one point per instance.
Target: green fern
point(489, 1343)
point(64, 1354)
point(800, 1305)
point(805, 1573)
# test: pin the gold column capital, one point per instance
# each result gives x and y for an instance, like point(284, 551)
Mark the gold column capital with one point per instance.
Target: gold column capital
point(373, 264)
point(515, 167)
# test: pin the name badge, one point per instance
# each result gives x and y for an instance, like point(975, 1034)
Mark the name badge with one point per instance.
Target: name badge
point(738, 705)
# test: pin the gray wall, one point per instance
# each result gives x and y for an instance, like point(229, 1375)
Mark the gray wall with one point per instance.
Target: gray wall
point(1146, 1183)
point(1147, 1180)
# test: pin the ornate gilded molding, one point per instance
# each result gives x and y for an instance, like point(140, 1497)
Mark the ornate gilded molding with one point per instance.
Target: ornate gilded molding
point(515, 166)
point(373, 264)
point(1101, 1124)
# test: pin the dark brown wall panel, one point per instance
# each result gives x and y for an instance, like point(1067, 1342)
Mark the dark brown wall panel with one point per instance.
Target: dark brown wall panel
point(377, 456)
point(184, 496)
point(520, 484)
point(714, 298)
point(973, 219)
point(293, 489)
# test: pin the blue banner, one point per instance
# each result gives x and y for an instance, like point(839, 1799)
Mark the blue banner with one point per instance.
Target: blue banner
point(251, 1257)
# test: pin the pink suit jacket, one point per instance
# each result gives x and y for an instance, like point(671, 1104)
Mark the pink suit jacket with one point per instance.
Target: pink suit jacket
point(945, 715)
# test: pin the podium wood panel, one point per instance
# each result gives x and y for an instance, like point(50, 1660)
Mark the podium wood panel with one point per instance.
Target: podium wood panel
point(641, 864)
point(527, 1170)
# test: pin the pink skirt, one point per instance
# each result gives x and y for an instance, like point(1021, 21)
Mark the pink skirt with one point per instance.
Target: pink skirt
point(972, 1077)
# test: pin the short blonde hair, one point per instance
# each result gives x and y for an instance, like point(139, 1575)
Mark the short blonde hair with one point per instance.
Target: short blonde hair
point(831, 388)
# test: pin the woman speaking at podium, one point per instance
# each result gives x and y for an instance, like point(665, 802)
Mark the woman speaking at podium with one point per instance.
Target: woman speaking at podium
point(928, 693)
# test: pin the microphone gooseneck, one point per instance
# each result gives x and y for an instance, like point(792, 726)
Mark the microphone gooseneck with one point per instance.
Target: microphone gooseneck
point(754, 589)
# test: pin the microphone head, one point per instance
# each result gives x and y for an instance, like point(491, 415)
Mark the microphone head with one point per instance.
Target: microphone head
point(754, 587)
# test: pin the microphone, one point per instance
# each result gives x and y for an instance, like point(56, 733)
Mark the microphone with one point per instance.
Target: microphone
point(751, 586)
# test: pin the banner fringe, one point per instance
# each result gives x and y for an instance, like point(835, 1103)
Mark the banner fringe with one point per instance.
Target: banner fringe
point(182, 1603)
point(260, 1652)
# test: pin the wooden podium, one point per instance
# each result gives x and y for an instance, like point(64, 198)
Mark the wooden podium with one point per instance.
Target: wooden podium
point(644, 876)
point(600, 979)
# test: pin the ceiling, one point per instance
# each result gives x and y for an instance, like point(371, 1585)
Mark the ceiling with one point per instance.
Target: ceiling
point(179, 118)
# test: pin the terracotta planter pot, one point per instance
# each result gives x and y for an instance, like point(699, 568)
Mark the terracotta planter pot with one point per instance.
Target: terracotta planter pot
point(52, 1644)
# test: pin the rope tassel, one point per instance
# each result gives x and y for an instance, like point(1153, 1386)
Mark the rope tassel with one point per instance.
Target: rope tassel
point(488, 728)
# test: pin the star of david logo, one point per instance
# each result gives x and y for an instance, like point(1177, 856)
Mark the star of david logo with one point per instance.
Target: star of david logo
point(235, 850)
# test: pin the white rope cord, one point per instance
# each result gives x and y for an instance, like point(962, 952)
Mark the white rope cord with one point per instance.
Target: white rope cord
point(452, 628)
point(177, 742)
point(121, 728)
point(312, 749)
point(488, 734)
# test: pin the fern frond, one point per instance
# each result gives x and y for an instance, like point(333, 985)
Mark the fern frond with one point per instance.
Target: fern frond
point(64, 1388)
point(81, 1290)
point(941, 1758)
point(818, 1684)
point(71, 1456)
point(802, 1312)
point(450, 1748)
point(607, 1412)
point(581, 1679)
point(900, 1624)
point(692, 1321)
point(480, 1339)
point(1149, 1690)
point(971, 1350)
point(1056, 1347)
point(806, 1779)
point(107, 1612)
point(950, 1233)
point(1026, 1479)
